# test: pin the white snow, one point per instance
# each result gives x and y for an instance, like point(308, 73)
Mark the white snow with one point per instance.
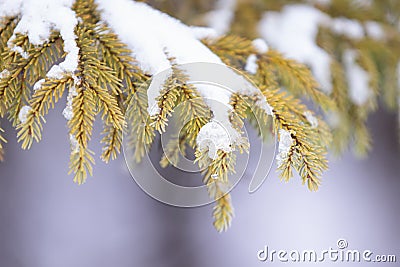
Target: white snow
point(20, 51)
point(56, 72)
point(221, 17)
point(374, 30)
point(260, 45)
point(10, 8)
point(285, 144)
point(74, 143)
point(214, 176)
point(204, 32)
point(158, 33)
point(4, 73)
point(347, 27)
point(22, 115)
point(311, 119)
point(216, 83)
point(293, 32)
point(38, 84)
point(251, 64)
point(39, 19)
point(358, 79)
point(67, 112)
point(216, 136)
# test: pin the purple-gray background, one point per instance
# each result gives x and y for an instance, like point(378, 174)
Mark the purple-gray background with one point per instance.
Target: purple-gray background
point(47, 220)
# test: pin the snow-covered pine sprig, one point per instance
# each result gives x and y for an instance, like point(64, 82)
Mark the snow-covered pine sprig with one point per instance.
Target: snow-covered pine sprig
point(104, 64)
point(352, 47)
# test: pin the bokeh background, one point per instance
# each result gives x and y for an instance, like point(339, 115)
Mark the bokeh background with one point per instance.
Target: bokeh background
point(46, 220)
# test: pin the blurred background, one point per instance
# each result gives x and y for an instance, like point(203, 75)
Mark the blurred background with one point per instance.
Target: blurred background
point(46, 220)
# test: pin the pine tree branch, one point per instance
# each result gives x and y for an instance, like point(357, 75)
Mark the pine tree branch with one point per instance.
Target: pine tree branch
point(81, 127)
point(24, 72)
point(296, 78)
point(7, 26)
point(308, 153)
point(112, 141)
point(216, 178)
point(42, 100)
point(167, 101)
point(2, 140)
point(175, 147)
point(140, 132)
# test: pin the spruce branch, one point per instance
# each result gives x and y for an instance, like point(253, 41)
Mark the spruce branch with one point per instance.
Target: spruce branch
point(117, 56)
point(117, 65)
point(140, 132)
point(308, 153)
point(349, 127)
point(7, 26)
point(194, 113)
point(246, 107)
point(93, 96)
point(175, 147)
point(81, 126)
point(216, 178)
point(42, 100)
point(87, 10)
point(2, 140)
point(273, 69)
point(375, 37)
point(223, 210)
point(232, 49)
point(109, 80)
point(296, 78)
point(22, 70)
point(167, 101)
point(112, 140)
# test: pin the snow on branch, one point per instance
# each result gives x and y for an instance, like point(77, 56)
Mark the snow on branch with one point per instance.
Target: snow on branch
point(157, 37)
point(38, 20)
point(294, 30)
point(132, 65)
